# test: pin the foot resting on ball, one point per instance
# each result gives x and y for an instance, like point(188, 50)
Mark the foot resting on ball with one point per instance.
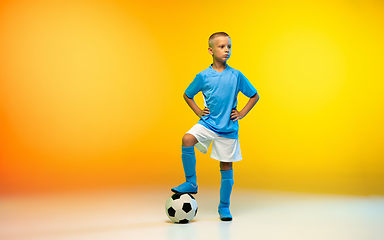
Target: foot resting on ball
point(225, 214)
point(186, 187)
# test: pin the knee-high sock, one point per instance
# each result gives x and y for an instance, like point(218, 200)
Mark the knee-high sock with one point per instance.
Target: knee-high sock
point(189, 163)
point(226, 188)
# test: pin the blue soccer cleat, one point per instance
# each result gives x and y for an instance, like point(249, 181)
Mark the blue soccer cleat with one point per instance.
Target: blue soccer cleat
point(186, 187)
point(225, 214)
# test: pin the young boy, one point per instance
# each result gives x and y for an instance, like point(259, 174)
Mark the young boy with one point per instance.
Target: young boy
point(220, 85)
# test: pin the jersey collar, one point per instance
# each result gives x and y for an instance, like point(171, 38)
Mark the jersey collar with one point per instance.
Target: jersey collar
point(226, 68)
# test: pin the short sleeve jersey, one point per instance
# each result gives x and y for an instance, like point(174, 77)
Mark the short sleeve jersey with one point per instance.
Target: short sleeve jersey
point(220, 91)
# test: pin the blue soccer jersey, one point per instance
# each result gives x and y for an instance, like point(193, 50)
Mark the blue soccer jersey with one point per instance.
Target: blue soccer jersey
point(220, 91)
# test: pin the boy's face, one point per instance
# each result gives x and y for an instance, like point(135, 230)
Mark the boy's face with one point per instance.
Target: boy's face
point(221, 49)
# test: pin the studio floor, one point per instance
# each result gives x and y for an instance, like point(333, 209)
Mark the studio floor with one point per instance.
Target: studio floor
point(139, 214)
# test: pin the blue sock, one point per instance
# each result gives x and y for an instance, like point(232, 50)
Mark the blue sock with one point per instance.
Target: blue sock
point(226, 188)
point(189, 164)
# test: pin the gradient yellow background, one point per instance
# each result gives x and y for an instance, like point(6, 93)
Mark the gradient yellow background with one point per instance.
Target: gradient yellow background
point(91, 93)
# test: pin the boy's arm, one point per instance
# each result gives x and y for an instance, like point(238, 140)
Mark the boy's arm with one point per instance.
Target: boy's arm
point(192, 104)
point(236, 115)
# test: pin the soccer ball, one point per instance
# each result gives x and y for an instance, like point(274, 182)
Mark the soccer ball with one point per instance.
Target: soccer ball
point(181, 207)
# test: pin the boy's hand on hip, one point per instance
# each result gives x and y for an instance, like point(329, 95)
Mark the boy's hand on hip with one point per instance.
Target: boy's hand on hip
point(204, 112)
point(235, 115)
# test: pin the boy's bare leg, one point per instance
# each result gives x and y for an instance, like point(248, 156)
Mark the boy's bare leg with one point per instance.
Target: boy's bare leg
point(189, 164)
point(225, 166)
point(225, 190)
point(189, 140)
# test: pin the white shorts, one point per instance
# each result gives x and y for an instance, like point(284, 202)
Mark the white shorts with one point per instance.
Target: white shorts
point(223, 149)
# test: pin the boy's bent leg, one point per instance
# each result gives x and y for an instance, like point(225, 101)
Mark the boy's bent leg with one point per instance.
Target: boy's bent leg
point(225, 191)
point(189, 164)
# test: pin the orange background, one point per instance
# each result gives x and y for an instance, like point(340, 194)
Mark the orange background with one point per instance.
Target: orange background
point(91, 93)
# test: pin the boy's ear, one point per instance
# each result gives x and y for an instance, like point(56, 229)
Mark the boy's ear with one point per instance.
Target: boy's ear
point(210, 51)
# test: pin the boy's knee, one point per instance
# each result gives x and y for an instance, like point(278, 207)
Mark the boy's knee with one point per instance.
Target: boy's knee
point(189, 140)
point(225, 166)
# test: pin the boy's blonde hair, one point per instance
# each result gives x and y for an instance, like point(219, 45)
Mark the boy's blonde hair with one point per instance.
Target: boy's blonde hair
point(215, 35)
